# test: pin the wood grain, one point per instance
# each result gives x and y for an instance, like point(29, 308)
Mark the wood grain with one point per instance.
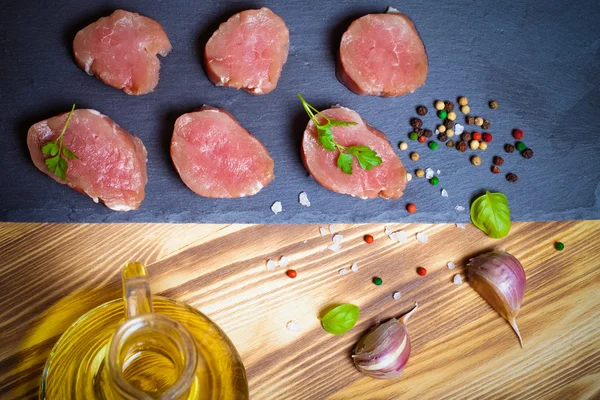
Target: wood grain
point(52, 273)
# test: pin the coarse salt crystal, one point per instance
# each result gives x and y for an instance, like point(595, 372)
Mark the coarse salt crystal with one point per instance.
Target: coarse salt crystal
point(277, 207)
point(343, 271)
point(401, 237)
point(323, 231)
point(396, 295)
point(429, 173)
point(354, 267)
point(271, 265)
point(393, 237)
point(283, 261)
point(444, 193)
point(422, 237)
point(332, 229)
point(458, 129)
point(460, 225)
point(338, 239)
point(438, 172)
point(293, 326)
point(334, 247)
point(388, 230)
point(436, 132)
point(451, 265)
point(459, 208)
point(303, 199)
point(306, 241)
point(457, 279)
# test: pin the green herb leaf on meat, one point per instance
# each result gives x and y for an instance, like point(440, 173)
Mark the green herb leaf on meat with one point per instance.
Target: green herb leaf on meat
point(57, 163)
point(491, 214)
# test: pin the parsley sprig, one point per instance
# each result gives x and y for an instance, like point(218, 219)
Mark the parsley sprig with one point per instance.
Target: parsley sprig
point(367, 157)
point(59, 153)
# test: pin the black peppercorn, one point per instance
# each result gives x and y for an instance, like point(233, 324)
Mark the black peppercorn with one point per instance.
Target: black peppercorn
point(486, 124)
point(442, 137)
point(416, 123)
point(419, 131)
point(422, 110)
point(511, 177)
point(467, 136)
point(449, 106)
point(497, 160)
point(509, 148)
point(470, 120)
point(427, 133)
point(495, 169)
point(449, 124)
point(527, 153)
point(461, 146)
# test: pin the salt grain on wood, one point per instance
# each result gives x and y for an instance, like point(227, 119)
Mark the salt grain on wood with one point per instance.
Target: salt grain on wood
point(451, 265)
point(460, 225)
point(323, 231)
point(332, 229)
point(388, 230)
point(293, 326)
point(334, 247)
point(271, 265)
point(283, 261)
point(343, 271)
point(338, 239)
point(422, 237)
point(457, 279)
point(396, 295)
point(354, 267)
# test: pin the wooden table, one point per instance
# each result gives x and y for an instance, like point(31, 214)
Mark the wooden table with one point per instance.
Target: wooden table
point(52, 273)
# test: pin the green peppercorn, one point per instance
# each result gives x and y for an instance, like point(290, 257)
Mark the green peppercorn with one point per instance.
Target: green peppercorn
point(442, 114)
point(521, 146)
point(559, 246)
point(378, 281)
point(434, 181)
point(413, 136)
point(433, 145)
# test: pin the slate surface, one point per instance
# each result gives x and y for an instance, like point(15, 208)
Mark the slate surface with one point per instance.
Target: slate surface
point(539, 60)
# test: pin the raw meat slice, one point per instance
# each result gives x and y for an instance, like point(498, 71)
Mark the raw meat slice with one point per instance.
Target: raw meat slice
point(386, 180)
point(248, 51)
point(112, 163)
point(382, 55)
point(216, 157)
point(121, 50)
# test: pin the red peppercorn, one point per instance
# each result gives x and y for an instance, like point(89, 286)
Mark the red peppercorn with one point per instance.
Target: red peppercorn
point(411, 208)
point(487, 137)
point(421, 271)
point(291, 273)
point(476, 136)
point(369, 239)
point(422, 139)
point(518, 134)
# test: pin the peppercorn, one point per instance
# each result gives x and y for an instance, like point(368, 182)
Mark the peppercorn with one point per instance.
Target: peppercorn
point(442, 137)
point(422, 139)
point(441, 128)
point(421, 271)
point(559, 246)
point(486, 124)
point(467, 136)
point(483, 145)
point(377, 281)
point(511, 177)
point(476, 160)
point(449, 132)
point(495, 169)
point(449, 124)
point(422, 110)
point(403, 145)
point(419, 131)
point(433, 145)
point(449, 106)
point(413, 136)
point(439, 105)
point(487, 137)
point(434, 180)
point(450, 143)
point(478, 121)
point(493, 104)
point(461, 146)
point(427, 133)
point(408, 177)
point(291, 273)
point(420, 173)
point(509, 148)
point(476, 136)
point(497, 160)
point(463, 101)
point(369, 239)
point(527, 153)
point(470, 120)
point(416, 123)
point(442, 114)
point(465, 109)
point(518, 134)
point(520, 146)
point(414, 156)
point(474, 144)
point(451, 116)
point(411, 208)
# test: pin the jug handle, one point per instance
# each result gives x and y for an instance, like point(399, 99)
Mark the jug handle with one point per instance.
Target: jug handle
point(136, 290)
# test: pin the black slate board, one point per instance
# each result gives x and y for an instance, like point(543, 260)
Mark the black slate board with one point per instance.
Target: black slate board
point(539, 60)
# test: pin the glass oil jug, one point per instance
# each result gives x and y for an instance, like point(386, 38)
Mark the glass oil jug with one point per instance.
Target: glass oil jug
point(143, 348)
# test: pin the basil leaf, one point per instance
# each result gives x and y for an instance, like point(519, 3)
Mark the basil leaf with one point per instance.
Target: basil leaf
point(341, 319)
point(491, 214)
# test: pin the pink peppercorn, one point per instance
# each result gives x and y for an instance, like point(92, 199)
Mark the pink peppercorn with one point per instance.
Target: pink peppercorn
point(518, 134)
point(487, 137)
